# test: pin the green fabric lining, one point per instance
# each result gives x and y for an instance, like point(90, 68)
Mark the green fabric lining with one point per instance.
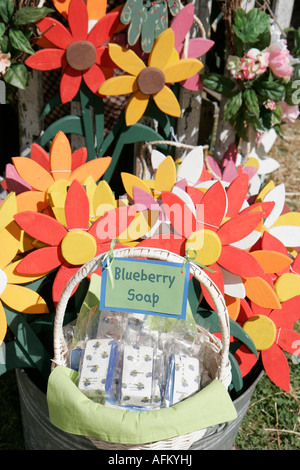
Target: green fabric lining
point(71, 411)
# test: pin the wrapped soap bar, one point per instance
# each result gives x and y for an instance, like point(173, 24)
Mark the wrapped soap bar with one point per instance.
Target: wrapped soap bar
point(183, 378)
point(97, 368)
point(137, 376)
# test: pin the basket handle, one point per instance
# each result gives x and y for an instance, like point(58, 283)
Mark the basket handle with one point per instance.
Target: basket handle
point(59, 343)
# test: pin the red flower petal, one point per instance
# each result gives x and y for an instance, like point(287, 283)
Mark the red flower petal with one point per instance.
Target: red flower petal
point(236, 194)
point(238, 227)
point(246, 359)
point(42, 227)
point(93, 78)
point(288, 340)
point(276, 367)
point(78, 19)
point(113, 223)
point(289, 313)
point(214, 206)
point(77, 207)
point(69, 84)
point(179, 214)
point(63, 275)
point(55, 32)
point(46, 59)
point(40, 156)
point(104, 29)
point(79, 158)
point(103, 58)
point(40, 261)
point(269, 242)
point(239, 262)
point(174, 243)
point(245, 312)
point(195, 194)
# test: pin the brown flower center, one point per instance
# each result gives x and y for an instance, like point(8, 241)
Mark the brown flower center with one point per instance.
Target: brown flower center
point(150, 80)
point(81, 55)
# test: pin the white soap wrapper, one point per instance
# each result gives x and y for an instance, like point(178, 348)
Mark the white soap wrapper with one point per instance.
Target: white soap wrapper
point(183, 378)
point(97, 367)
point(137, 376)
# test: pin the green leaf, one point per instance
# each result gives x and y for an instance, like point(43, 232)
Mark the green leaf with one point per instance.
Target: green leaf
point(2, 29)
point(218, 82)
point(251, 101)
point(19, 41)
point(251, 27)
point(7, 8)
point(237, 379)
point(233, 106)
point(67, 124)
point(270, 90)
point(17, 75)
point(30, 15)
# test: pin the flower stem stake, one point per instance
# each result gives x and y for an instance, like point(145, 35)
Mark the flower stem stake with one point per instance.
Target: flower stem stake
point(164, 67)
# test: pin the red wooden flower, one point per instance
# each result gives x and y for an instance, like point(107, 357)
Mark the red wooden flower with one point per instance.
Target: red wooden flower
point(80, 54)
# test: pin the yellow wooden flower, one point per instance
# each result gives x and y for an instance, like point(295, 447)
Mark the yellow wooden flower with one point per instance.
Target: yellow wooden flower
point(164, 67)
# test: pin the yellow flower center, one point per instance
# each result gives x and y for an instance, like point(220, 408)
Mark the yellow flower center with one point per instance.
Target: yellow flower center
point(81, 55)
point(3, 281)
point(150, 80)
point(206, 245)
point(262, 330)
point(78, 247)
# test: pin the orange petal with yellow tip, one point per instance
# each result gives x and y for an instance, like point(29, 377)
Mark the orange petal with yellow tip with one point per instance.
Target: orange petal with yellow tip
point(60, 157)
point(233, 306)
point(129, 181)
point(23, 300)
point(261, 293)
point(3, 324)
point(95, 168)
point(271, 261)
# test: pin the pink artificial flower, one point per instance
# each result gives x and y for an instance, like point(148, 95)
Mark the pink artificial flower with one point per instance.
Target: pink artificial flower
point(289, 112)
point(279, 61)
point(4, 62)
point(255, 63)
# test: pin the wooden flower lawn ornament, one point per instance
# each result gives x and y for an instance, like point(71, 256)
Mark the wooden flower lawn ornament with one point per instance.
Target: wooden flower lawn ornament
point(147, 20)
point(51, 175)
point(142, 82)
point(69, 247)
point(81, 55)
point(189, 47)
point(12, 294)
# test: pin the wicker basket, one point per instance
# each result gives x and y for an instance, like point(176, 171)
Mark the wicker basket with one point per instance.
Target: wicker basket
point(215, 351)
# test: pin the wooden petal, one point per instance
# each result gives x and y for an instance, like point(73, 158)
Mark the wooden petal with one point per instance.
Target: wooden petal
point(40, 156)
point(143, 200)
point(69, 84)
point(288, 314)
point(32, 201)
point(96, 9)
point(233, 306)
point(135, 107)
point(104, 199)
point(260, 292)
point(113, 223)
point(246, 359)
point(78, 20)
point(182, 23)
point(3, 323)
point(276, 367)
point(239, 262)
point(139, 227)
point(272, 261)
point(239, 227)
point(233, 284)
point(120, 85)
point(63, 275)
point(288, 340)
point(14, 181)
point(40, 226)
point(77, 208)
point(181, 217)
point(129, 181)
point(156, 159)
point(24, 300)
point(269, 242)
point(8, 209)
point(60, 157)
point(32, 173)
point(191, 166)
point(126, 59)
point(289, 235)
point(182, 70)
point(46, 59)
point(10, 243)
point(217, 277)
point(167, 102)
point(40, 261)
point(165, 176)
point(15, 278)
point(215, 205)
point(55, 32)
point(95, 168)
point(93, 77)
point(277, 195)
point(79, 157)
point(199, 46)
point(289, 218)
point(104, 28)
point(237, 194)
point(287, 286)
point(182, 194)
point(162, 49)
